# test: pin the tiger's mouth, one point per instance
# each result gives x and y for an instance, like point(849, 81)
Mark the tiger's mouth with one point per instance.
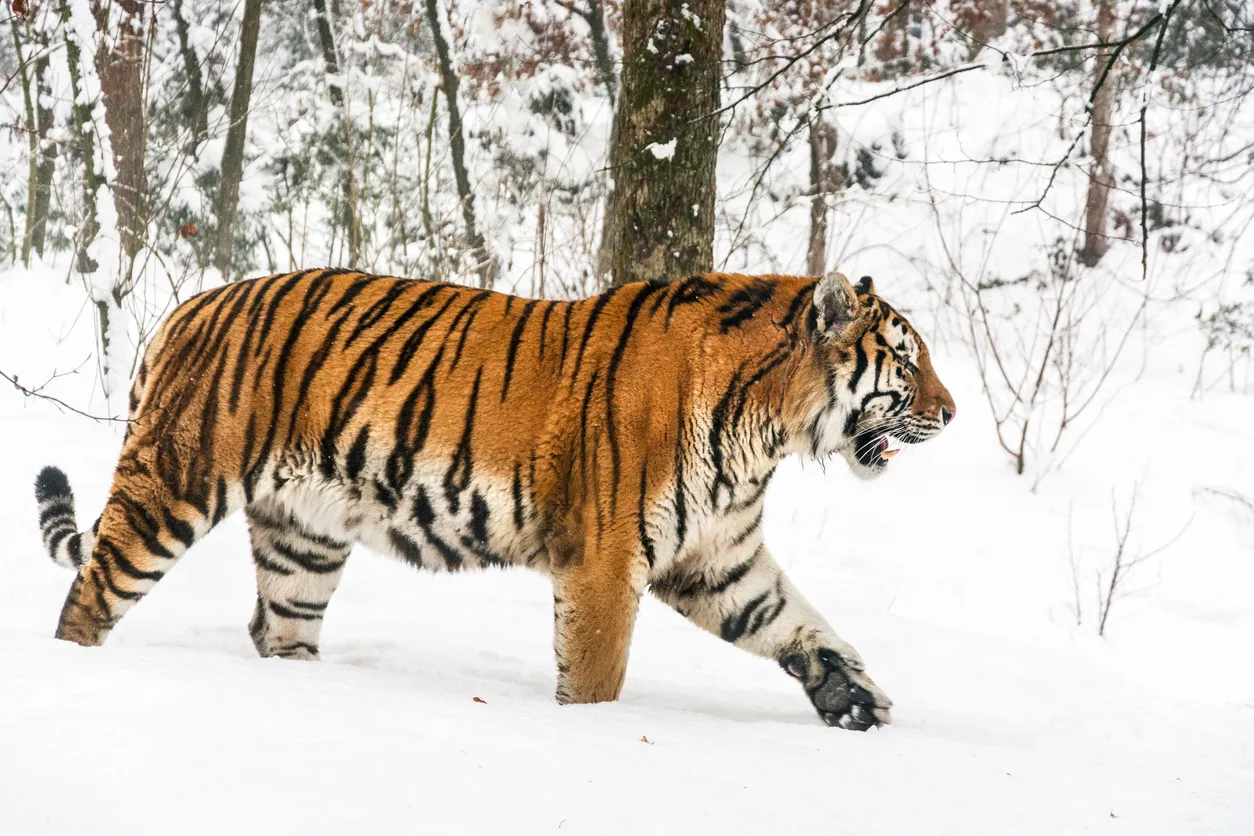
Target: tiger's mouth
point(874, 449)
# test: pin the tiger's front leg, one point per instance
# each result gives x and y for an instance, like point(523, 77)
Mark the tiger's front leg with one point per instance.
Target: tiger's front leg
point(753, 605)
point(595, 599)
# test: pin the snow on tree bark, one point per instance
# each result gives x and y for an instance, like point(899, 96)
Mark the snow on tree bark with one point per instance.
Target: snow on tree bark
point(120, 64)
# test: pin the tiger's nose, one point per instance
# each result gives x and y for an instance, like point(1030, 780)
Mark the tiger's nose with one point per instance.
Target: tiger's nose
point(947, 415)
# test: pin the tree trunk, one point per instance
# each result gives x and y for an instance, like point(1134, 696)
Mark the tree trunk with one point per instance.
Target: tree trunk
point(822, 183)
point(37, 220)
point(120, 63)
point(665, 145)
point(1101, 174)
point(330, 56)
point(83, 145)
point(236, 133)
point(31, 134)
point(195, 104)
point(485, 263)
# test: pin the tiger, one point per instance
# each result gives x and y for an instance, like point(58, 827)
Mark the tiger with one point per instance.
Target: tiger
point(619, 443)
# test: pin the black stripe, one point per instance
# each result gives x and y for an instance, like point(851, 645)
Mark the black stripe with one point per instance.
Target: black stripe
point(57, 537)
point(285, 612)
point(744, 303)
point(859, 367)
point(142, 524)
point(411, 431)
point(544, 324)
point(263, 561)
point(570, 309)
point(457, 477)
point(273, 310)
point(681, 501)
point(376, 312)
point(424, 515)
point(58, 508)
point(747, 532)
point(313, 297)
point(308, 561)
point(354, 290)
point(733, 576)
point(515, 341)
point(764, 617)
point(414, 342)
point(690, 291)
point(407, 548)
point(179, 530)
point(356, 459)
point(473, 306)
point(478, 517)
point(386, 496)
point(74, 548)
point(518, 497)
point(616, 360)
point(117, 591)
point(805, 294)
point(646, 542)
point(735, 625)
point(583, 430)
point(597, 308)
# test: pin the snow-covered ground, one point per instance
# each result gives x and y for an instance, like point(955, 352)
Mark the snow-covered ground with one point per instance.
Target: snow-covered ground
point(949, 574)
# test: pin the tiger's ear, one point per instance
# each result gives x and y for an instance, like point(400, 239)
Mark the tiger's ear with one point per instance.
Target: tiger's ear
point(836, 305)
point(865, 287)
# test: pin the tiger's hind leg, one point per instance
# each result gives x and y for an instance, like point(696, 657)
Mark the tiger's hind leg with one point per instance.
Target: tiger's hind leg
point(144, 529)
point(297, 572)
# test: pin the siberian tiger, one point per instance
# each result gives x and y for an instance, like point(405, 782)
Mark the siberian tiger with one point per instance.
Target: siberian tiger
point(618, 443)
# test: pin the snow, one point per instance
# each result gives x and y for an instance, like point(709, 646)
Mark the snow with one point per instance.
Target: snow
point(662, 150)
point(1008, 718)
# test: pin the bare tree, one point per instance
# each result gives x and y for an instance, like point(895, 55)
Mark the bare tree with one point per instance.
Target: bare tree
point(437, 18)
point(120, 63)
point(594, 14)
point(236, 133)
point(1112, 583)
point(665, 144)
point(1101, 175)
point(37, 95)
point(196, 104)
point(824, 180)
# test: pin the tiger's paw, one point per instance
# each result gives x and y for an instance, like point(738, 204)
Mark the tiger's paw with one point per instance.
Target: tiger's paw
point(842, 693)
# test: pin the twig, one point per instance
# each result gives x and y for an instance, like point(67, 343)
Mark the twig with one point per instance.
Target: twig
point(35, 393)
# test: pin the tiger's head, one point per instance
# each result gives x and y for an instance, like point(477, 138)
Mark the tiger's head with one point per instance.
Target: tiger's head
point(878, 377)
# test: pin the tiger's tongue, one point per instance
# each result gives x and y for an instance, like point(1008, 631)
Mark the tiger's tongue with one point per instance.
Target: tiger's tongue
point(888, 454)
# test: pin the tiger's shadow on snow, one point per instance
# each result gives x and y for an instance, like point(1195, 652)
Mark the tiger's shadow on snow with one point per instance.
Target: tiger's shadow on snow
point(494, 676)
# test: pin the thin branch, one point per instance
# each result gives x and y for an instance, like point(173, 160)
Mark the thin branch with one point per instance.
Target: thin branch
point(36, 393)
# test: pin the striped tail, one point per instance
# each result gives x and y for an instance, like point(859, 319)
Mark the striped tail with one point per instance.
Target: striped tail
point(66, 545)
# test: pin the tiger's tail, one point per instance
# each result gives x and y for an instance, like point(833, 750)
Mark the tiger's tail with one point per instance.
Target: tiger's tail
point(66, 545)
